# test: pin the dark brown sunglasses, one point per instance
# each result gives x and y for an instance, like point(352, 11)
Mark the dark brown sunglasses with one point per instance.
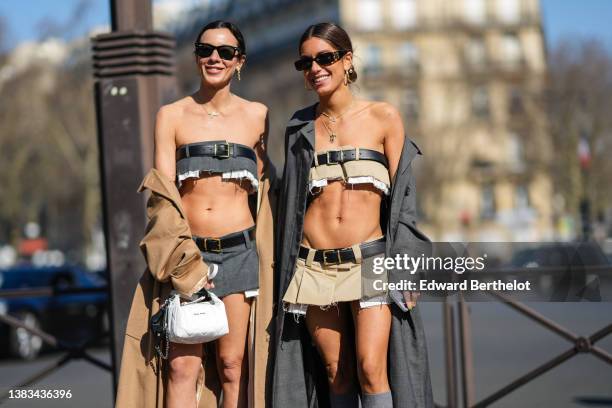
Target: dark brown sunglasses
point(226, 52)
point(323, 59)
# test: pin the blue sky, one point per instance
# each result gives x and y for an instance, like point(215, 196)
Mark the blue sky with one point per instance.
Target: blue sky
point(24, 18)
point(562, 18)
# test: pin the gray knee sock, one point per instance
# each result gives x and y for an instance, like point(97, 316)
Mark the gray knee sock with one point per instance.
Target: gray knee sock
point(381, 400)
point(346, 400)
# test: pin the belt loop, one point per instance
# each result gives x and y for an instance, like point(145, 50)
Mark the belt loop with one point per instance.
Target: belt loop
point(310, 256)
point(356, 153)
point(247, 239)
point(357, 252)
point(187, 151)
point(316, 159)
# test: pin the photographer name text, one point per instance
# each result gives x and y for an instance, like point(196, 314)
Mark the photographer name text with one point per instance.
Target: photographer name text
point(431, 285)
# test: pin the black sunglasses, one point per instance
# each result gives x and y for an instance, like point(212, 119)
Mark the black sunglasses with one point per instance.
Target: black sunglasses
point(226, 52)
point(323, 59)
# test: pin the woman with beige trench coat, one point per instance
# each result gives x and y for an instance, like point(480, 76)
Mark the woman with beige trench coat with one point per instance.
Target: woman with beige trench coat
point(224, 186)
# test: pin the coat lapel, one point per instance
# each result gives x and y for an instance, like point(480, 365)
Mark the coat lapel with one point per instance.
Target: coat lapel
point(399, 186)
point(304, 120)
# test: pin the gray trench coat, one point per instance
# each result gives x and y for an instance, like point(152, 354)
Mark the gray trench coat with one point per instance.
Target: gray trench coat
point(299, 377)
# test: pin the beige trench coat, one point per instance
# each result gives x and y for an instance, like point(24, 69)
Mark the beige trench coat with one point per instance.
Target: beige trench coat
point(174, 261)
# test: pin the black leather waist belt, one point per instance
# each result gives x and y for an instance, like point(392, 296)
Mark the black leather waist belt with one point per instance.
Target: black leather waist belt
point(343, 156)
point(337, 256)
point(226, 241)
point(219, 150)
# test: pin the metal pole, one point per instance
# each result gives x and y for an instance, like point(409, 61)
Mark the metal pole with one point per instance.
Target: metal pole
point(467, 366)
point(131, 15)
point(134, 71)
point(450, 354)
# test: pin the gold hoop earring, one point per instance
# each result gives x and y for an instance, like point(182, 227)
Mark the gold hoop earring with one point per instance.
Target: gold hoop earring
point(238, 73)
point(346, 78)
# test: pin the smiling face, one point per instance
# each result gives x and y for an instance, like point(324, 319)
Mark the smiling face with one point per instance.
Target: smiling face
point(324, 79)
point(215, 71)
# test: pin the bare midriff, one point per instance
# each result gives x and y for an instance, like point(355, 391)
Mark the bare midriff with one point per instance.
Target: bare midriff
point(216, 207)
point(342, 215)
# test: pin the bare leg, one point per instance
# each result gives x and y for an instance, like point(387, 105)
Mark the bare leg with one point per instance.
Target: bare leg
point(330, 330)
point(231, 364)
point(184, 367)
point(372, 329)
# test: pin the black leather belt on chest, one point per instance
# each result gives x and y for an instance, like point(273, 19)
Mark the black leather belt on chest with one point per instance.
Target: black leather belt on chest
point(218, 150)
point(337, 256)
point(343, 156)
point(225, 242)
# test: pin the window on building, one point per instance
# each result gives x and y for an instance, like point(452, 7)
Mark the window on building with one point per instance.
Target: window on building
point(480, 101)
point(408, 56)
point(515, 152)
point(369, 14)
point(511, 50)
point(373, 59)
point(376, 96)
point(515, 101)
point(521, 197)
point(508, 11)
point(403, 14)
point(411, 104)
point(476, 52)
point(475, 11)
point(487, 201)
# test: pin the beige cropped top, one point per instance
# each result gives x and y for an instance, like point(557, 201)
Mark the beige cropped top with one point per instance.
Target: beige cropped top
point(351, 165)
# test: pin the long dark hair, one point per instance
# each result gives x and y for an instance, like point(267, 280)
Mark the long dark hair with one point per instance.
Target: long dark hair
point(333, 34)
point(230, 26)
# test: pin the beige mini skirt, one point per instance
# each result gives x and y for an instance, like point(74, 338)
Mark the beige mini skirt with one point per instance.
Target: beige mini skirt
point(318, 284)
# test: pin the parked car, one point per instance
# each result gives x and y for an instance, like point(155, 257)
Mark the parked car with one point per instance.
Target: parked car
point(565, 271)
point(72, 318)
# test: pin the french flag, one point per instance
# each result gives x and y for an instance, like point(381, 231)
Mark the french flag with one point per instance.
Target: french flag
point(584, 153)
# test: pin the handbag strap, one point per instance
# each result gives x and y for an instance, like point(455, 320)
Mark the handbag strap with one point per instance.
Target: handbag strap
point(164, 354)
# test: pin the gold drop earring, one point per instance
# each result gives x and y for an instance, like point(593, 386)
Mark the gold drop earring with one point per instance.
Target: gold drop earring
point(346, 78)
point(238, 73)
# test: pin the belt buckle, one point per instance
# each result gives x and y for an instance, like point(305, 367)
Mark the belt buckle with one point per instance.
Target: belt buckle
point(337, 251)
point(222, 156)
point(328, 157)
point(217, 240)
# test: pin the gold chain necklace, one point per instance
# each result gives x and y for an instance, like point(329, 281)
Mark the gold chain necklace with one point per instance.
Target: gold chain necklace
point(212, 114)
point(332, 119)
point(332, 135)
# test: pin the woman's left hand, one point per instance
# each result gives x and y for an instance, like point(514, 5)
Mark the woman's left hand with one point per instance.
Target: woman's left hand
point(411, 299)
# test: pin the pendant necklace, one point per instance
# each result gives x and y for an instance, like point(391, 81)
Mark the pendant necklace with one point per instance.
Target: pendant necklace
point(211, 114)
point(332, 120)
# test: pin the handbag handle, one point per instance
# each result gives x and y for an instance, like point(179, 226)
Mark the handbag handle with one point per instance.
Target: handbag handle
point(203, 295)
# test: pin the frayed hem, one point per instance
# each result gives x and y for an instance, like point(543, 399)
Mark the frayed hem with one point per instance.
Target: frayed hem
point(238, 175)
point(300, 309)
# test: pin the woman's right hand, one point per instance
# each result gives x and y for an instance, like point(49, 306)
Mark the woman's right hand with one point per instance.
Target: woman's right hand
point(213, 269)
point(209, 284)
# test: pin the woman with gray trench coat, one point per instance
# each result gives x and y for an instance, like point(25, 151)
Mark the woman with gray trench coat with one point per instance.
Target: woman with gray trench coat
point(304, 374)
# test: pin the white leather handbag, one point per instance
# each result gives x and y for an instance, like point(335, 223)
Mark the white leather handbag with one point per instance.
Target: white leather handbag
point(197, 321)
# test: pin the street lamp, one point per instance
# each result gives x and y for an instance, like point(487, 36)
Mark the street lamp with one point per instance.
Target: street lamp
point(134, 75)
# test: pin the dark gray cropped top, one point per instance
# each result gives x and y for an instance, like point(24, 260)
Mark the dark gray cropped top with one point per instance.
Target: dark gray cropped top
point(234, 161)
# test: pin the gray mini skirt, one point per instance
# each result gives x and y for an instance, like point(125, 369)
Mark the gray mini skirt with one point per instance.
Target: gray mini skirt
point(238, 269)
